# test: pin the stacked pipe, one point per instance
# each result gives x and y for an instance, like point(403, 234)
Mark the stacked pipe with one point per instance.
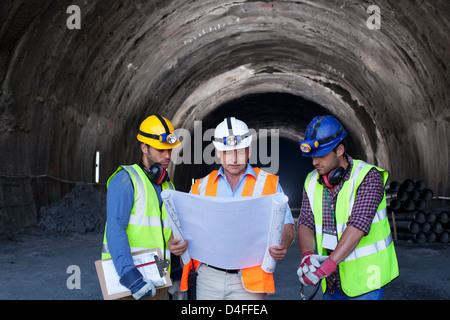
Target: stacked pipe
point(407, 201)
point(439, 220)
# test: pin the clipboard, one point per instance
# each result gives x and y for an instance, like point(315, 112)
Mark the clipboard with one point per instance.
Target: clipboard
point(109, 279)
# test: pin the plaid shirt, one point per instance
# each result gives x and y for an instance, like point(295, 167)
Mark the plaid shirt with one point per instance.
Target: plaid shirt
point(368, 197)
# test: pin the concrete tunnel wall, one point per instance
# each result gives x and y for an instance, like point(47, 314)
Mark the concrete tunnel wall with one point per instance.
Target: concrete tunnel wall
point(67, 93)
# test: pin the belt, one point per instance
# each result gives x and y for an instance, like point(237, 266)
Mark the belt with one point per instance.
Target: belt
point(224, 270)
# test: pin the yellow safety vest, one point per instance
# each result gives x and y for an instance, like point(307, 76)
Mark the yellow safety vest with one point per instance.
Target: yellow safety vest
point(148, 226)
point(373, 263)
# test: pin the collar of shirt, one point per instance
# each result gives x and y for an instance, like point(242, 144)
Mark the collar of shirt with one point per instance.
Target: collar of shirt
point(336, 190)
point(224, 188)
point(350, 163)
point(248, 170)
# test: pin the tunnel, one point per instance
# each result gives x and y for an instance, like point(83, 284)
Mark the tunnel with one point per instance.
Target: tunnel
point(78, 77)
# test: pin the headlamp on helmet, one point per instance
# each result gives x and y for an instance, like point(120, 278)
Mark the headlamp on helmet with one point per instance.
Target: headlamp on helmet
point(232, 140)
point(231, 134)
point(170, 138)
point(306, 146)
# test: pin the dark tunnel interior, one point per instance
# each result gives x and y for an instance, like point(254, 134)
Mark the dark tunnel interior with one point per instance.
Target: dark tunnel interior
point(68, 94)
point(290, 115)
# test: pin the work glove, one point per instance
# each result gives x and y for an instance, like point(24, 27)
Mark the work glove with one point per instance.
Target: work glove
point(312, 278)
point(310, 262)
point(138, 286)
point(175, 292)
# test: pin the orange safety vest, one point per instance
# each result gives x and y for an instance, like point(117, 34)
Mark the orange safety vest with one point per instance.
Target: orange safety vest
point(254, 279)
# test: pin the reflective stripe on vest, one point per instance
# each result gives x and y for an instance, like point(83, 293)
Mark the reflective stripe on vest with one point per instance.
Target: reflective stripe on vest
point(147, 223)
point(374, 250)
point(254, 279)
point(202, 186)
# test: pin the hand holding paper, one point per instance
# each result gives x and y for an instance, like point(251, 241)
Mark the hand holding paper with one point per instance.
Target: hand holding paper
point(278, 252)
point(177, 246)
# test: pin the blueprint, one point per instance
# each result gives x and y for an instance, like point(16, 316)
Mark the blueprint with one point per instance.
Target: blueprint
point(229, 233)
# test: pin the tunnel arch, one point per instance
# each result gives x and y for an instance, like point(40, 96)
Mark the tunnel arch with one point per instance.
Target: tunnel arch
point(246, 82)
point(66, 94)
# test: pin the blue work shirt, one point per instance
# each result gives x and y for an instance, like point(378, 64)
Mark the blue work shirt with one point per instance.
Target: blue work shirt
point(119, 203)
point(224, 188)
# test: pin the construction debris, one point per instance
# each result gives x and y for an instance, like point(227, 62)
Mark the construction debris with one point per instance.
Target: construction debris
point(82, 210)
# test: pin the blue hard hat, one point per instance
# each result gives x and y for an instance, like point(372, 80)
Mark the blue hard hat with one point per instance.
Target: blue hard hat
point(322, 135)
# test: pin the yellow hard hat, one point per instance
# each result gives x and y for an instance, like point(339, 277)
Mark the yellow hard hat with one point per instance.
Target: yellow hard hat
point(158, 132)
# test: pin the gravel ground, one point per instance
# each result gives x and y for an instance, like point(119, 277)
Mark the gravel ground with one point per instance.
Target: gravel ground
point(37, 263)
point(34, 266)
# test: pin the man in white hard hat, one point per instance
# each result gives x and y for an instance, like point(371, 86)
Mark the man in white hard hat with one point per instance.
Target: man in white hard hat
point(235, 178)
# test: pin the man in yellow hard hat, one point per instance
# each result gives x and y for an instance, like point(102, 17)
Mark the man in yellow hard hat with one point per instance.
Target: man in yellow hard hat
point(136, 217)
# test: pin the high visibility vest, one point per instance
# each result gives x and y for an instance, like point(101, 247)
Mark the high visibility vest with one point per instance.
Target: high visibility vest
point(254, 279)
point(148, 226)
point(373, 263)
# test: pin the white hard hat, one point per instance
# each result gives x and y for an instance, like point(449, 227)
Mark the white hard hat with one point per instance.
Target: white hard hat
point(232, 134)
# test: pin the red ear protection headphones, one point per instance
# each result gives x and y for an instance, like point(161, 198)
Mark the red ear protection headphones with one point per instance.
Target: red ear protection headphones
point(156, 173)
point(335, 176)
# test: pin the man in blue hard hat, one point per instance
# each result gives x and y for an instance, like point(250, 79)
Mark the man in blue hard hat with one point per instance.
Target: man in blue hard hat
point(351, 233)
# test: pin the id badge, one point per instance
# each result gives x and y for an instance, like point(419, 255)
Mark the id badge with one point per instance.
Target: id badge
point(329, 240)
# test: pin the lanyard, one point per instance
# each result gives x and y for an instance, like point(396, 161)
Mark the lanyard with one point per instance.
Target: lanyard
point(330, 237)
point(331, 209)
point(158, 189)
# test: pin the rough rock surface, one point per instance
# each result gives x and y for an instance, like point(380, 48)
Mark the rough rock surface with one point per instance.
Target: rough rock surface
point(67, 93)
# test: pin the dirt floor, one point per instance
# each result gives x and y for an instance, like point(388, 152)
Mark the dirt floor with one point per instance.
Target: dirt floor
point(34, 266)
point(38, 263)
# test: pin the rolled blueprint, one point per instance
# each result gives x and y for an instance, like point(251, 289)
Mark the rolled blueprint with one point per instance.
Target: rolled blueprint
point(174, 222)
point(279, 204)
